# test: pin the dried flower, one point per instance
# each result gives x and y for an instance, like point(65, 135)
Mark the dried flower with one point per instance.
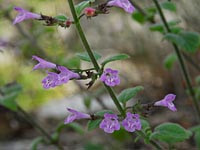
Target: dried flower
point(110, 123)
point(167, 101)
point(110, 77)
point(131, 122)
point(75, 115)
point(24, 15)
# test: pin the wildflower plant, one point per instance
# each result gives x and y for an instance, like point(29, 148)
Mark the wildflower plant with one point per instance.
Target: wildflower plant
point(130, 118)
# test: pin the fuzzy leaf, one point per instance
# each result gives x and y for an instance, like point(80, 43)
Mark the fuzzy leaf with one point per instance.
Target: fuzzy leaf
point(115, 58)
point(169, 60)
point(188, 41)
point(79, 7)
point(170, 133)
point(169, 6)
point(84, 56)
point(129, 93)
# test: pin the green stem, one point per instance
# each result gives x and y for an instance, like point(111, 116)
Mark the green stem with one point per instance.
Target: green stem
point(184, 70)
point(156, 145)
point(37, 126)
point(91, 55)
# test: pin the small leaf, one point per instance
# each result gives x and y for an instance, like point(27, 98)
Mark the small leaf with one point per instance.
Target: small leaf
point(139, 17)
point(114, 58)
point(169, 6)
point(87, 102)
point(79, 7)
point(188, 41)
point(61, 18)
point(102, 112)
point(160, 27)
point(129, 93)
point(121, 135)
point(84, 56)
point(93, 124)
point(8, 101)
point(169, 60)
point(170, 133)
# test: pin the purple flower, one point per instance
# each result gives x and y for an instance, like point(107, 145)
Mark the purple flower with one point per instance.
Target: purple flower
point(50, 80)
point(24, 14)
point(110, 77)
point(110, 123)
point(124, 4)
point(167, 102)
point(43, 64)
point(65, 75)
point(131, 122)
point(75, 115)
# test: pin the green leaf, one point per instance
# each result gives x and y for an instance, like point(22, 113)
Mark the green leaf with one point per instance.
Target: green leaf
point(79, 7)
point(139, 17)
point(93, 124)
point(87, 102)
point(188, 41)
point(10, 88)
point(121, 135)
point(79, 129)
point(61, 18)
point(8, 101)
point(36, 142)
point(170, 133)
point(160, 27)
point(129, 93)
point(93, 146)
point(102, 112)
point(84, 56)
point(196, 131)
point(169, 60)
point(114, 58)
point(169, 6)
point(72, 62)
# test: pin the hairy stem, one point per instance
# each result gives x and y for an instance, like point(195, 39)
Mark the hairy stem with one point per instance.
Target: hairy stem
point(181, 61)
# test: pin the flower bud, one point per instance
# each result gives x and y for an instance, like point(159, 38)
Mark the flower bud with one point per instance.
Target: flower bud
point(89, 12)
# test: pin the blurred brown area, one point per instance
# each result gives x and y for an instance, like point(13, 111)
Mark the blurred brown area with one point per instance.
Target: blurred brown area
point(108, 34)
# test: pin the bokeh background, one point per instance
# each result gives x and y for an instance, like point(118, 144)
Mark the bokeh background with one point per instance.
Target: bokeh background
point(108, 35)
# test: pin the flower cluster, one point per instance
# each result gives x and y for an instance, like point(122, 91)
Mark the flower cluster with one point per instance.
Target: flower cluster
point(53, 78)
point(110, 122)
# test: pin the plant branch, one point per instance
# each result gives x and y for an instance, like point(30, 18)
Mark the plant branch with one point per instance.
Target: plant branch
point(181, 61)
point(91, 55)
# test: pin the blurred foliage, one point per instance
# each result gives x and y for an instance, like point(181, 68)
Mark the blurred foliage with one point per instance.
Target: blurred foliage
point(19, 42)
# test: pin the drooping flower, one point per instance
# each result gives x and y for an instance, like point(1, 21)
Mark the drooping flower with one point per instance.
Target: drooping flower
point(65, 75)
point(50, 80)
point(75, 115)
point(89, 12)
point(167, 101)
point(110, 77)
point(24, 15)
point(43, 64)
point(124, 4)
point(110, 123)
point(131, 122)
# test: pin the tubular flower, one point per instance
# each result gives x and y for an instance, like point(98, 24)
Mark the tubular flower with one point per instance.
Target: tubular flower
point(24, 15)
point(75, 115)
point(131, 122)
point(43, 64)
point(167, 101)
point(110, 77)
point(110, 123)
point(65, 75)
point(50, 80)
point(124, 4)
